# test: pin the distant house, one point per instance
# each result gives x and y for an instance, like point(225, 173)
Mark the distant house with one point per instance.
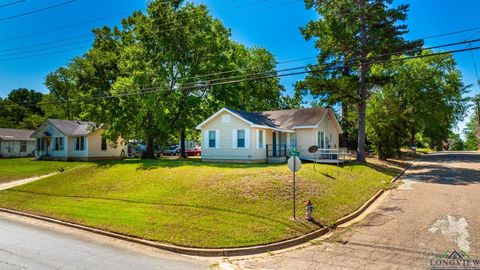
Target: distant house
point(74, 140)
point(16, 142)
point(239, 136)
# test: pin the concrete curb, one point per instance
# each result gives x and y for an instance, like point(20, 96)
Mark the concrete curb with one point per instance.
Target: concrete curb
point(218, 252)
point(207, 252)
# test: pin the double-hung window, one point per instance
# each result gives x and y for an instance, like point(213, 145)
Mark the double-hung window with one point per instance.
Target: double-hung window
point(79, 143)
point(241, 138)
point(260, 139)
point(23, 146)
point(321, 139)
point(212, 139)
point(293, 139)
point(59, 144)
point(104, 143)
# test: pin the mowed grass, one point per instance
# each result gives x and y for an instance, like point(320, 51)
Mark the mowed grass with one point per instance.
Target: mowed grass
point(19, 168)
point(195, 204)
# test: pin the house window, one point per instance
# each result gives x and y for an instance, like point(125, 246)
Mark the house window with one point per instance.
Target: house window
point(79, 143)
point(39, 145)
point(9, 146)
point(321, 139)
point(293, 139)
point(104, 143)
point(59, 144)
point(241, 138)
point(212, 139)
point(23, 146)
point(260, 139)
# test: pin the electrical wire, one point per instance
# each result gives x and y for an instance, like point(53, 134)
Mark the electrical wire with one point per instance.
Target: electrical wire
point(12, 3)
point(37, 10)
point(269, 75)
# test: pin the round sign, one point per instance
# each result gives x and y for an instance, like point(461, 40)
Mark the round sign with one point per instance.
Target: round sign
point(294, 164)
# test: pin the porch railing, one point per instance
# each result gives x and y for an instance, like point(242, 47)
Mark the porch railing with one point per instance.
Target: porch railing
point(276, 150)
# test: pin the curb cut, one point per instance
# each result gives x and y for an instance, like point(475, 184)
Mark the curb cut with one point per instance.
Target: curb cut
point(218, 252)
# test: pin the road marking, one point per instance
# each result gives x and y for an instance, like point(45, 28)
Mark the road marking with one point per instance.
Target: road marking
point(454, 230)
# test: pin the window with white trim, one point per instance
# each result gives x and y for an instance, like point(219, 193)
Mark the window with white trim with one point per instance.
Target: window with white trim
point(260, 138)
point(321, 139)
point(23, 146)
point(212, 139)
point(103, 146)
point(241, 138)
point(58, 144)
point(79, 143)
point(293, 139)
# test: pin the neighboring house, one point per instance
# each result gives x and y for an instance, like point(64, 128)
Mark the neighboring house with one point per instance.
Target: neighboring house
point(74, 140)
point(238, 136)
point(16, 142)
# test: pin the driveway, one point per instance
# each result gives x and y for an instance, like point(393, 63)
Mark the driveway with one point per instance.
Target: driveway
point(31, 244)
point(434, 210)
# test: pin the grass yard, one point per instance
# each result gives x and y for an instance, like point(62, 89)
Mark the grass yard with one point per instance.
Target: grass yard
point(190, 203)
point(19, 168)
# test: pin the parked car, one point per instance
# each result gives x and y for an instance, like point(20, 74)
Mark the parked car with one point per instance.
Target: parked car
point(196, 151)
point(171, 151)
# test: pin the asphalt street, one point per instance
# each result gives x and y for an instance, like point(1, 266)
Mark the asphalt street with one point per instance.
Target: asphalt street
point(435, 210)
point(30, 244)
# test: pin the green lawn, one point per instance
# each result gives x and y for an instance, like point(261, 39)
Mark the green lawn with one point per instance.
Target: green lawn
point(19, 168)
point(191, 203)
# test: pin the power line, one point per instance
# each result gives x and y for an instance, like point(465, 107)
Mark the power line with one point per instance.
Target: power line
point(46, 48)
point(44, 43)
point(64, 27)
point(37, 10)
point(44, 54)
point(12, 3)
point(267, 76)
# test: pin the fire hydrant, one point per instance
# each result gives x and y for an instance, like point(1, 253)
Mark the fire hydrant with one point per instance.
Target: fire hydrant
point(309, 208)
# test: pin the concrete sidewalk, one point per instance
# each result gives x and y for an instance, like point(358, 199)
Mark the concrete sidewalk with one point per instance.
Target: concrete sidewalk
point(434, 211)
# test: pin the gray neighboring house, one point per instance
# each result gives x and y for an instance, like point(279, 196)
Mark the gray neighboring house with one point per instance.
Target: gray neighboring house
point(74, 140)
point(16, 142)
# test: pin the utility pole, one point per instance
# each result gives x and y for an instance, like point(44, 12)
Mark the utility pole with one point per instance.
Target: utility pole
point(362, 106)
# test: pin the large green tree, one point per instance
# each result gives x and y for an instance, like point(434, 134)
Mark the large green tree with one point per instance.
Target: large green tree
point(423, 96)
point(349, 35)
point(163, 72)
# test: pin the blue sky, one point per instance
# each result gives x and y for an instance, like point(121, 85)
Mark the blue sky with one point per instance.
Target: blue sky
point(272, 24)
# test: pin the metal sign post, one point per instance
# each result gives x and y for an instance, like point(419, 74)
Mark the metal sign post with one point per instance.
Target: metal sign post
point(294, 164)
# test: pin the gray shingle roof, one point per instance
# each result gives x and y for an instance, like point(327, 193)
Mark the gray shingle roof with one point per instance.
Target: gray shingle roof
point(16, 134)
point(285, 119)
point(73, 127)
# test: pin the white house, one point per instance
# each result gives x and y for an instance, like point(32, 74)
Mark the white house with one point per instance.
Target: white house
point(238, 136)
point(74, 140)
point(16, 142)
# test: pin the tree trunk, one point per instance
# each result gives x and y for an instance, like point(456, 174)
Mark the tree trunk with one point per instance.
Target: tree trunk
point(345, 125)
point(412, 136)
point(149, 150)
point(183, 151)
point(362, 107)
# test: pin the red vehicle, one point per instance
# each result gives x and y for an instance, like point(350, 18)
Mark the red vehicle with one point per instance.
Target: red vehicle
point(197, 151)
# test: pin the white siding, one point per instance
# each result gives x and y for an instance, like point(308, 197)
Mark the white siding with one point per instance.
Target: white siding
point(11, 148)
point(226, 146)
point(94, 149)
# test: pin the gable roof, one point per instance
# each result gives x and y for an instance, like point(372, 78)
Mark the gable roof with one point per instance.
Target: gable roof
point(69, 127)
point(290, 119)
point(283, 120)
point(73, 127)
point(7, 134)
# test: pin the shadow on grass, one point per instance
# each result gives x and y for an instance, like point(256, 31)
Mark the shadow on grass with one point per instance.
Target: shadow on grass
point(202, 207)
point(151, 164)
